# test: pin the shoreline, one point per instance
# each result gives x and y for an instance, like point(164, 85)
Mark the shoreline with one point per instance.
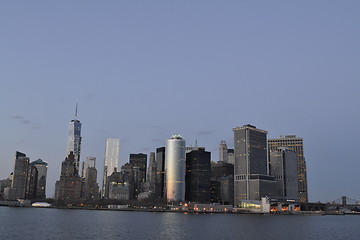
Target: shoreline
point(304, 213)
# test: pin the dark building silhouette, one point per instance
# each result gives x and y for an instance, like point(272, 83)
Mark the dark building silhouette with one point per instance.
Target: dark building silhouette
point(223, 173)
point(197, 177)
point(252, 180)
point(91, 187)
point(139, 164)
point(68, 188)
point(160, 173)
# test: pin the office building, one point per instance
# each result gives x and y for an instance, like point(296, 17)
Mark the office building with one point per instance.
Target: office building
point(139, 163)
point(74, 140)
point(89, 163)
point(295, 144)
point(231, 156)
point(197, 178)
point(175, 169)
point(41, 167)
point(68, 188)
point(160, 173)
point(222, 178)
point(252, 181)
point(151, 178)
point(91, 187)
point(223, 152)
point(21, 172)
point(283, 166)
point(111, 161)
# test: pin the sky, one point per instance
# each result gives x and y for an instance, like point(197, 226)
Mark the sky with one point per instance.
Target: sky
point(144, 70)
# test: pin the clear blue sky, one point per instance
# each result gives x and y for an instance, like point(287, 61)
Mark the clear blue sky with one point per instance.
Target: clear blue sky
point(143, 70)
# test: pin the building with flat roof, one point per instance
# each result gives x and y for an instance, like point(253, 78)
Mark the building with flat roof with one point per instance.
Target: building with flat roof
point(295, 144)
point(175, 168)
point(252, 179)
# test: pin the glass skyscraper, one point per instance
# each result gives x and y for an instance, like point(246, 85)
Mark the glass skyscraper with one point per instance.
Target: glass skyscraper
point(74, 140)
point(111, 160)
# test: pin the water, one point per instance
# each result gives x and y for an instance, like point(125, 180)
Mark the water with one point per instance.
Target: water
point(35, 223)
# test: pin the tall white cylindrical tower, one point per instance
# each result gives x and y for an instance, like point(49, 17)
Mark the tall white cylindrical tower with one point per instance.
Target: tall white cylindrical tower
point(175, 168)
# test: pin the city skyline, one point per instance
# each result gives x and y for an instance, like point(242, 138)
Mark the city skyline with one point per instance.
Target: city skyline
point(142, 72)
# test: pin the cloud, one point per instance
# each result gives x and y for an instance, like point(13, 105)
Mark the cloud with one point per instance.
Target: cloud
point(23, 120)
point(17, 117)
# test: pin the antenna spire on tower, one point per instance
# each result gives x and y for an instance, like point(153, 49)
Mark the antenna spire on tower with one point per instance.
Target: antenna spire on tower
point(76, 109)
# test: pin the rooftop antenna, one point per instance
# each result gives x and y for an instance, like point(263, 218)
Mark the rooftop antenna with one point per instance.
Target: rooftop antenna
point(76, 110)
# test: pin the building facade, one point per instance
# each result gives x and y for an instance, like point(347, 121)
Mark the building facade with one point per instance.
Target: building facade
point(90, 162)
point(74, 140)
point(160, 173)
point(223, 152)
point(197, 178)
point(175, 169)
point(139, 163)
point(41, 167)
point(111, 161)
point(68, 188)
point(283, 166)
point(295, 144)
point(20, 178)
point(251, 176)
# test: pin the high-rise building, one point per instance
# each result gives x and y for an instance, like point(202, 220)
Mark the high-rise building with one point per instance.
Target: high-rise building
point(74, 140)
point(21, 170)
point(231, 156)
point(160, 173)
point(139, 161)
point(252, 180)
point(222, 178)
point(283, 166)
point(41, 167)
point(68, 188)
point(295, 144)
point(152, 172)
point(175, 168)
point(91, 187)
point(111, 161)
point(197, 178)
point(223, 152)
point(90, 162)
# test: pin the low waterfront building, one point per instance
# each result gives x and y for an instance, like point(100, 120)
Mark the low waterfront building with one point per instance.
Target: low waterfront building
point(212, 208)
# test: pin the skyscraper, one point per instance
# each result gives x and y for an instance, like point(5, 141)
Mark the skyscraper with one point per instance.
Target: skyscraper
point(111, 161)
point(21, 169)
point(252, 180)
point(139, 163)
point(74, 139)
point(68, 188)
point(198, 173)
point(160, 172)
point(90, 162)
point(295, 144)
point(283, 166)
point(223, 152)
point(41, 167)
point(175, 168)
